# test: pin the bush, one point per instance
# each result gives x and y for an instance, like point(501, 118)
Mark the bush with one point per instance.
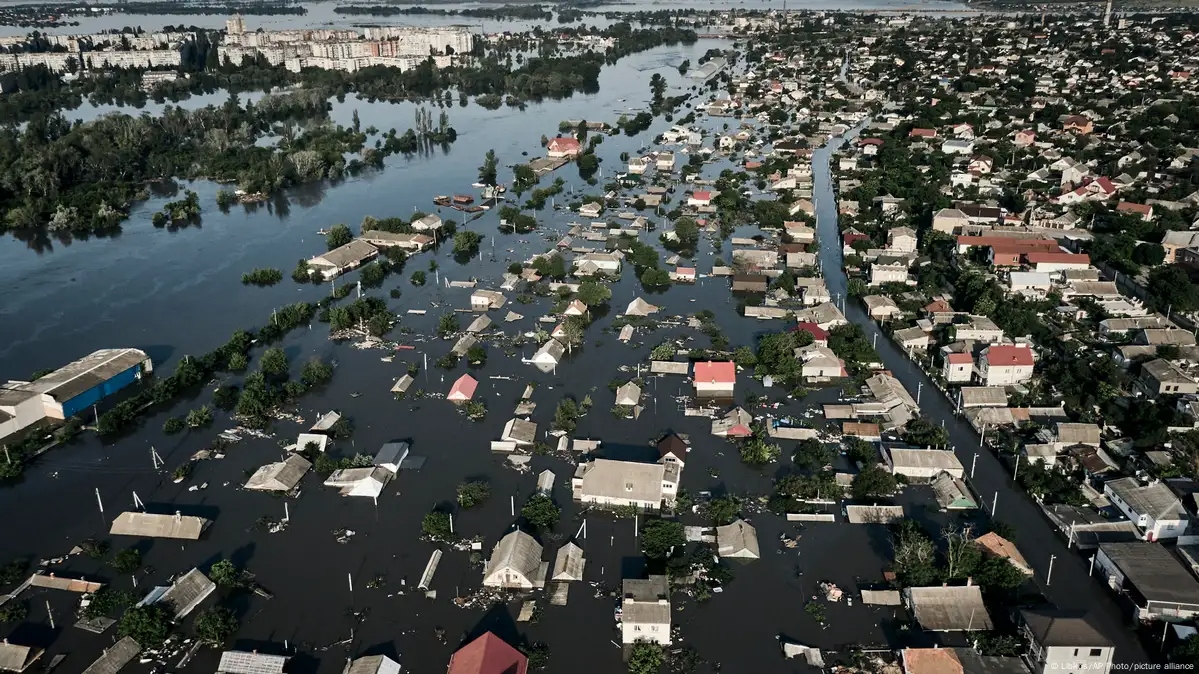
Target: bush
point(199, 417)
point(418, 278)
point(541, 512)
point(13, 612)
point(173, 425)
point(473, 493)
point(436, 525)
point(127, 561)
point(215, 625)
point(148, 625)
point(658, 536)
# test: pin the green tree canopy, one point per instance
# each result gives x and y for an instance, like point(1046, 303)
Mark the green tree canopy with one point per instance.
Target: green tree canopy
point(658, 536)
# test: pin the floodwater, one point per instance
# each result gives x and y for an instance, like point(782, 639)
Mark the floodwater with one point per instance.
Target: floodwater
point(322, 14)
point(173, 293)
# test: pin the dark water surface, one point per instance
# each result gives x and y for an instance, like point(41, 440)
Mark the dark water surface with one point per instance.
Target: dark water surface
point(174, 293)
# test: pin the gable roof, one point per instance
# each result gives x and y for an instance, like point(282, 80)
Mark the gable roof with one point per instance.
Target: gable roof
point(716, 372)
point(488, 654)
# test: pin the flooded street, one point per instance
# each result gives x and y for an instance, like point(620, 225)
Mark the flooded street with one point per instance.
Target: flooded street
point(175, 293)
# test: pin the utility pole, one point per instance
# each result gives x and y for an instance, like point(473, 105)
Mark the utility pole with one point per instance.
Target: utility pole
point(99, 501)
point(1049, 576)
point(994, 503)
point(973, 465)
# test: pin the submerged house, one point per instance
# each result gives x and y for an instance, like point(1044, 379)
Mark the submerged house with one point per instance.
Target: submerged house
point(368, 482)
point(568, 563)
point(738, 540)
point(343, 259)
point(548, 356)
point(645, 610)
point(463, 389)
point(626, 483)
point(516, 563)
point(279, 476)
point(150, 525)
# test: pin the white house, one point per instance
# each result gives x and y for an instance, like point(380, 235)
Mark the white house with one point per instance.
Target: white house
point(626, 483)
point(516, 563)
point(958, 368)
point(645, 611)
point(1030, 283)
point(819, 363)
point(957, 146)
point(715, 378)
point(548, 356)
point(1063, 641)
point(665, 161)
point(888, 273)
point(368, 482)
point(563, 147)
point(700, 199)
point(1153, 507)
point(902, 240)
point(1004, 365)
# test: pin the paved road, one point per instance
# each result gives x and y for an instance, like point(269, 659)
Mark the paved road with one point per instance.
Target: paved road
point(1071, 587)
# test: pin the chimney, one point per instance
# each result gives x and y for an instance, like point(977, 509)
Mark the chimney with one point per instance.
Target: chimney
point(969, 581)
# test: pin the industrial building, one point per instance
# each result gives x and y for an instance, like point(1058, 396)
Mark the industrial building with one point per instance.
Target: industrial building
point(71, 389)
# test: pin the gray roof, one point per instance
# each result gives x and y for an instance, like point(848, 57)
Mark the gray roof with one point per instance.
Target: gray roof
point(245, 662)
point(520, 430)
point(517, 551)
point(943, 459)
point(949, 609)
point(373, 664)
point(983, 396)
point(630, 480)
point(392, 452)
point(628, 394)
point(646, 601)
point(1155, 499)
point(974, 663)
point(74, 378)
point(187, 592)
point(1165, 372)
point(281, 475)
point(116, 657)
point(1154, 572)
point(1052, 627)
point(15, 658)
point(568, 563)
point(1078, 434)
point(150, 525)
point(738, 539)
point(352, 253)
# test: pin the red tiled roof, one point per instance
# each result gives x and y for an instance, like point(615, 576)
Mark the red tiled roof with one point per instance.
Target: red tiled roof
point(1129, 207)
point(1008, 355)
point(463, 389)
point(564, 143)
point(938, 307)
point(871, 141)
point(959, 359)
point(702, 196)
point(818, 333)
point(931, 661)
point(923, 133)
point(716, 372)
point(488, 655)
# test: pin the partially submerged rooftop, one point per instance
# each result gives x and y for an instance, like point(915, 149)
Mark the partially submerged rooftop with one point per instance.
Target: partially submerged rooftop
point(949, 609)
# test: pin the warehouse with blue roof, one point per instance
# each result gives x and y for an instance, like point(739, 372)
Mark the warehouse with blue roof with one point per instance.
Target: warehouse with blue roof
point(70, 389)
